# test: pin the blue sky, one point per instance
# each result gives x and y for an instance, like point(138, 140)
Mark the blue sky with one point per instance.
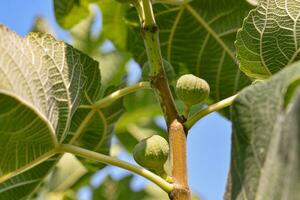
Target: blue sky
point(208, 141)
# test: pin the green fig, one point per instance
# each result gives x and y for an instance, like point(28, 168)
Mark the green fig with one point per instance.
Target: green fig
point(169, 70)
point(192, 89)
point(152, 153)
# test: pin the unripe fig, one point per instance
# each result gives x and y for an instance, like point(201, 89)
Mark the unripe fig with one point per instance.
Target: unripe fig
point(169, 70)
point(192, 89)
point(152, 153)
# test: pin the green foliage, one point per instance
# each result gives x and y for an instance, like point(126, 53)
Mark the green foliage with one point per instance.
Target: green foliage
point(70, 12)
point(114, 26)
point(198, 37)
point(47, 95)
point(268, 40)
point(42, 104)
point(265, 144)
point(48, 89)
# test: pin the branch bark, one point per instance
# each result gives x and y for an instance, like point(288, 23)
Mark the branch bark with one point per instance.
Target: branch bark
point(177, 140)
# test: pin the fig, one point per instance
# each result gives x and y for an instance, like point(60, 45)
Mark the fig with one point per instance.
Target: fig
point(192, 89)
point(152, 153)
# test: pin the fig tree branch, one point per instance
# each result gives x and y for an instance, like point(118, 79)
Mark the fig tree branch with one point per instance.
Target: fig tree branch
point(106, 101)
point(160, 85)
point(158, 80)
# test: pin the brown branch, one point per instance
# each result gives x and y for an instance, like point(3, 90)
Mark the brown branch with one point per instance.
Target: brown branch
point(161, 87)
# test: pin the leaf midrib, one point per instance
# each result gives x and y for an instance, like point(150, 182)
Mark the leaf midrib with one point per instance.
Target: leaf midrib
point(63, 80)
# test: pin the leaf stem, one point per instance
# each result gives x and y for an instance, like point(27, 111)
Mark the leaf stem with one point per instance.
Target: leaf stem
point(212, 108)
point(118, 94)
point(119, 163)
point(186, 111)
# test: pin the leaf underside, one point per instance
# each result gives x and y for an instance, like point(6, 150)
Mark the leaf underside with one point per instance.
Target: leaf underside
point(42, 82)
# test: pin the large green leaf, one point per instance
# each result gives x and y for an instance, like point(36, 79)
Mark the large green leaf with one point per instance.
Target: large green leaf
point(269, 39)
point(265, 143)
point(198, 37)
point(42, 82)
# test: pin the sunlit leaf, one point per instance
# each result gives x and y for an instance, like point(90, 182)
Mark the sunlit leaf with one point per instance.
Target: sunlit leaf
point(42, 82)
point(269, 39)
